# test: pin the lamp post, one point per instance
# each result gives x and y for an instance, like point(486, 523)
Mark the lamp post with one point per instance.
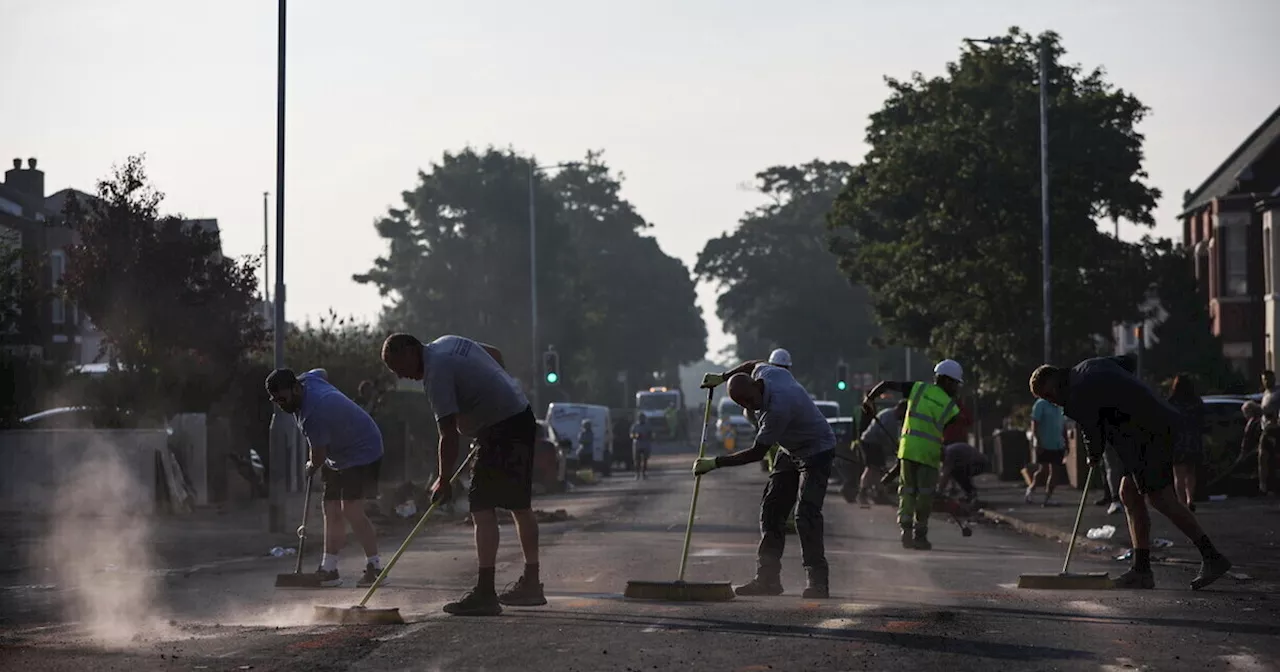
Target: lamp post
point(1045, 55)
point(280, 425)
point(534, 169)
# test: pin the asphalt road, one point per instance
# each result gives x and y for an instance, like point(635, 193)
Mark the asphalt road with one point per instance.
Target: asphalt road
point(954, 608)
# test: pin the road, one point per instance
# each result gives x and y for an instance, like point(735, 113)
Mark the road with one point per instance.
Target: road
point(892, 609)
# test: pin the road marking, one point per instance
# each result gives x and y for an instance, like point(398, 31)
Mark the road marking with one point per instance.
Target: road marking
point(1245, 661)
point(858, 607)
point(837, 623)
point(1090, 607)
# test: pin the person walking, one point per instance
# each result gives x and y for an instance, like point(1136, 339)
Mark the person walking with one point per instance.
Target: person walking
point(641, 446)
point(930, 408)
point(345, 446)
point(1188, 452)
point(471, 394)
point(586, 446)
point(1100, 394)
point(1269, 442)
point(1049, 445)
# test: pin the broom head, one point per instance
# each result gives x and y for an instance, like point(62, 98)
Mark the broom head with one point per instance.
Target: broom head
point(357, 616)
point(1091, 581)
point(679, 591)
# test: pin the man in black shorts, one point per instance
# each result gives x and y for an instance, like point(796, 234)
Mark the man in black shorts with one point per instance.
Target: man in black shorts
point(473, 395)
point(1101, 394)
point(346, 446)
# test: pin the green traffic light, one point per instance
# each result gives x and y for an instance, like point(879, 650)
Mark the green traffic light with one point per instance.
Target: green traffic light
point(841, 386)
point(552, 377)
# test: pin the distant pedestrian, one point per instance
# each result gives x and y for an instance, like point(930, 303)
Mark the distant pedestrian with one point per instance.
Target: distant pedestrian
point(1189, 450)
point(1269, 442)
point(345, 446)
point(641, 447)
point(586, 446)
point(1048, 446)
point(1101, 394)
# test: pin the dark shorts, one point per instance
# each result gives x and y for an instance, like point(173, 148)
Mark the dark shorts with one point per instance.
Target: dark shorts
point(351, 484)
point(502, 475)
point(1050, 456)
point(1148, 460)
point(638, 451)
point(872, 454)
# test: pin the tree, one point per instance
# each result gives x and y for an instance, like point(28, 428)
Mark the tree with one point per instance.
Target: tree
point(176, 315)
point(1185, 341)
point(458, 262)
point(781, 287)
point(941, 220)
point(346, 349)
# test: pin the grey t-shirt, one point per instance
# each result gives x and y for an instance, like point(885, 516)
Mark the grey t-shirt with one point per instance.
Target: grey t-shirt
point(790, 418)
point(1270, 406)
point(878, 433)
point(460, 378)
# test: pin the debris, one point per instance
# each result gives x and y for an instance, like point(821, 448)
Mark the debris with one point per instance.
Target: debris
point(1217, 498)
point(276, 552)
point(1104, 532)
point(407, 509)
point(1125, 556)
point(1240, 576)
point(1162, 543)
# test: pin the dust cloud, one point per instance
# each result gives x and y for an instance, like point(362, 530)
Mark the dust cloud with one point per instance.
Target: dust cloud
point(99, 547)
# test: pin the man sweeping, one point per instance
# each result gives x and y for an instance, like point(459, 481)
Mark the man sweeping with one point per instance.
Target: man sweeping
point(930, 407)
point(788, 418)
point(346, 447)
point(1100, 394)
point(472, 395)
point(881, 434)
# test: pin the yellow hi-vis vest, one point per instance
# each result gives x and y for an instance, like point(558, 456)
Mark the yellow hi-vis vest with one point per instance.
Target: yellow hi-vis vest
point(929, 409)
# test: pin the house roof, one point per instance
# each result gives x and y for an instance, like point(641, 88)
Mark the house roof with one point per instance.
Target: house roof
point(1223, 180)
point(55, 202)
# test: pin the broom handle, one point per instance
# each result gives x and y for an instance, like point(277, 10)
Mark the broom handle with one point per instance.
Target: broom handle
point(413, 533)
point(302, 536)
point(697, 484)
point(1084, 497)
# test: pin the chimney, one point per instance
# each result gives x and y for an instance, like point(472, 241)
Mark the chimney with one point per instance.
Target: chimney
point(29, 181)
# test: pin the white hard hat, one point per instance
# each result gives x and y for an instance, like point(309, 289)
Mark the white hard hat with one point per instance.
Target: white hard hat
point(951, 369)
point(780, 357)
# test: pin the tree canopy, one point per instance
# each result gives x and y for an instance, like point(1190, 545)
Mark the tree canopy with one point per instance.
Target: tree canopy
point(941, 221)
point(781, 287)
point(174, 312)
point(609, 299)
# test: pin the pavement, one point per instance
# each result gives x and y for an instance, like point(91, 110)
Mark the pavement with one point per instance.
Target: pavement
point(1245, 529)
point(892, 609)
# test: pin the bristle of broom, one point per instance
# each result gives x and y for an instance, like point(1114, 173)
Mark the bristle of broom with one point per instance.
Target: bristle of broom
point(357, 616)
point(679, 591)
point(1098, 581)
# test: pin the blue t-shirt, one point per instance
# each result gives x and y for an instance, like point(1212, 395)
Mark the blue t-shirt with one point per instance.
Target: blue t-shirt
point(1049, 421)
point(329, 419)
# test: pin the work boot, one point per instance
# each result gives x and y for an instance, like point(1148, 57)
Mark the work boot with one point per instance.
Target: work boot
point(907, 541)
point(328, 578)
point(1135, 580)
point(759, 587)
point(816, 587)
point(920, 540)
point(1211, 569)
point(475, 603)
point(524, 593)
point(370, 575)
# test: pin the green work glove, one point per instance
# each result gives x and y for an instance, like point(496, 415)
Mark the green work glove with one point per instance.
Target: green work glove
point(703, 464)
point(712, 380)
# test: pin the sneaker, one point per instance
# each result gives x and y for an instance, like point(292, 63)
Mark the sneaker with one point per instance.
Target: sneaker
point(328, 578)
point(1116, 507)
point(756, 587)
point(370, 576)
point(523, 594)
point(1135, 580)
point(475, 603)
point(1211, 569)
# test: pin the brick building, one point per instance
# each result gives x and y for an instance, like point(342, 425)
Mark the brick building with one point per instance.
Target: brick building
point(1223, 222)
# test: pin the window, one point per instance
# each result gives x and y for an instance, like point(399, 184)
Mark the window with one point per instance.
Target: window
point(1236, 256)
point(57, 266)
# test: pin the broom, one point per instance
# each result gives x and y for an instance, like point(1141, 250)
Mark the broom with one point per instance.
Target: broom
point(680, 590)
point(1065, 580)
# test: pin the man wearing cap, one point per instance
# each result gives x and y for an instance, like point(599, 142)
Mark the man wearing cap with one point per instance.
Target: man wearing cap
point(346, 447)
point(930, 408)
point(787, 418)
point(472, 395)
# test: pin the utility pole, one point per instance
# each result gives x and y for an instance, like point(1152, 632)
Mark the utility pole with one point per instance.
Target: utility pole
point(281, 425)
point(533, 293)
point(1044, 196)
point(266, 267)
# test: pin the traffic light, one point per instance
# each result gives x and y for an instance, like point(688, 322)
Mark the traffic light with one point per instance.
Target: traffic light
point(842, 377)
point(551, 366)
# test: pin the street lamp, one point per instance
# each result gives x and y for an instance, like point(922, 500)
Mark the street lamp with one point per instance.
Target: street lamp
point(534, 169)
point(278, 440)
point(1044, 179)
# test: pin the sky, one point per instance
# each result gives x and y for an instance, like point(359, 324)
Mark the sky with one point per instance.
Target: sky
point(687, 99)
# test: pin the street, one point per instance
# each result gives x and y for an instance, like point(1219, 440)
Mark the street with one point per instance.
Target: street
point(891, 609)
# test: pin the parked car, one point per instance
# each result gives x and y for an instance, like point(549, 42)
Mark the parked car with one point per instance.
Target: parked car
point(1227, 468)
point(548, 460)
point(845, 467)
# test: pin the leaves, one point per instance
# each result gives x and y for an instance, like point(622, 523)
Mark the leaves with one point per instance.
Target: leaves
point(942, 220)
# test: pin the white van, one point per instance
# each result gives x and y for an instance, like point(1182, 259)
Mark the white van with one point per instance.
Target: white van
point(565, 421)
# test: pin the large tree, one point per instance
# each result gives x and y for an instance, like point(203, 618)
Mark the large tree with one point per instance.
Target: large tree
point(781, 287)
point(941, 221)
point(458, 262)
point(176, 315)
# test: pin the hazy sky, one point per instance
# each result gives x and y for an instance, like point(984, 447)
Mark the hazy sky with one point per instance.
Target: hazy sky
point(688, 99)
